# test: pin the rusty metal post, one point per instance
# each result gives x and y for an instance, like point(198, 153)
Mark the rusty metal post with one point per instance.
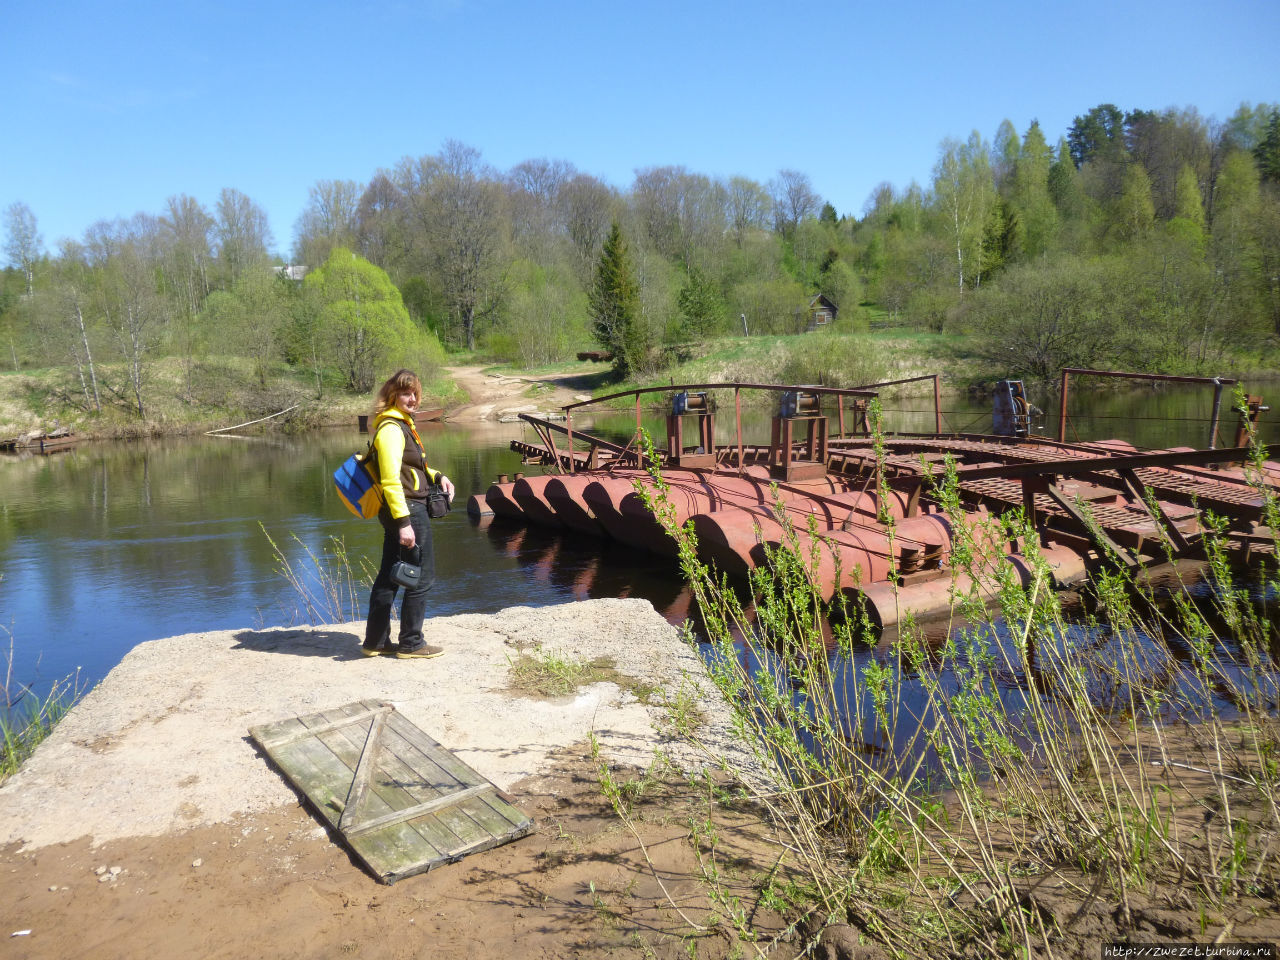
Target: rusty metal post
point(639, 454)
point(1251, 414)
point(937, 403)
point(840, 411)
point(1217, 412)
point(568, 429)
point(737, 413)
point(1062, 409)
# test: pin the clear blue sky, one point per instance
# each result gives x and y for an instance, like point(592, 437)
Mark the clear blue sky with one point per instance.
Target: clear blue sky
point(112, 108)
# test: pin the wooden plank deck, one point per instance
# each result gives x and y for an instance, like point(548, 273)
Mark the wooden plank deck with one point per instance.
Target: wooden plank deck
point(402, 803)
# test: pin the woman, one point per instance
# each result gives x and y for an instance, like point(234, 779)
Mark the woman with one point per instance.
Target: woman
point(406, 530)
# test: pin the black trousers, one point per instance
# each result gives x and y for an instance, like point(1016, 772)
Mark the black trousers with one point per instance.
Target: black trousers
point(413, 608)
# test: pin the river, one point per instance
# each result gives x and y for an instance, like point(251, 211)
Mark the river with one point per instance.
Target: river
point(111, 544)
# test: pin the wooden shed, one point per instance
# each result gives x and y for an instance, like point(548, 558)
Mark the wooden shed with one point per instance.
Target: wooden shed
point(821, 312)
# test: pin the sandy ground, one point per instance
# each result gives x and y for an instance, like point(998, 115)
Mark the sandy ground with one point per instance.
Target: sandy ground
point(149, 825)
point(499, 397)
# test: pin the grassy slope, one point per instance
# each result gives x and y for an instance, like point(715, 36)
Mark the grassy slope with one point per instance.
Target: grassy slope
point(835, 359)
point(225, 392)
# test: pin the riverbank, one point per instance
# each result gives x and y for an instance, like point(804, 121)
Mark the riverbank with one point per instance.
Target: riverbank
point(214, 394)
point(227, 394)
point(205, 850)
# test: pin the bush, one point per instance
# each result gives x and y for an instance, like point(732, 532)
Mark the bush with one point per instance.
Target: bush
point(833, 361)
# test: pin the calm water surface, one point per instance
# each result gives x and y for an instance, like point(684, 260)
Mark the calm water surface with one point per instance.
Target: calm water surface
point(109, 545)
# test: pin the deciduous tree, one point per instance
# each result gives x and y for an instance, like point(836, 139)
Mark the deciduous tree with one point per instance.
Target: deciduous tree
point(22, 240)
point(362, 323)
point(380, 223)
point(1134, 212)
point(329, 220)
point(748, 206)
point(70, 298)
point(462, 211)
point(794, 199)
point(241, 233)
point(586, 207)
point(964, 194)
point(126, 294)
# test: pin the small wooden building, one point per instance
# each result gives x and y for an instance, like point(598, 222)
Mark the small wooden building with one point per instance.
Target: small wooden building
point(821, 312)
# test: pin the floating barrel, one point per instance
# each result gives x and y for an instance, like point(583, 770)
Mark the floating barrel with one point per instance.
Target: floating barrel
point(726, 538)
point(841, 558)
point(564, 495)
point(502, 503)
point(603, 495)
point(530, 494)
point(885, 604)
point(641, 529)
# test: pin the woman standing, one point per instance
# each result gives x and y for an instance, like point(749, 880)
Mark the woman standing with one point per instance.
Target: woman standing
point(406, 530)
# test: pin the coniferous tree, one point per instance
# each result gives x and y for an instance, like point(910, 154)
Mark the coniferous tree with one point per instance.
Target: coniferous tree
point(701, 306)
point(1031, 198)
point(614, 304)
point(1267, 152)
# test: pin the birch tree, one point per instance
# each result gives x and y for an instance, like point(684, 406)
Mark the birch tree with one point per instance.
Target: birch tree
point(124, 255)
point(22, 240)
point(71, 299)
point(964, 194)
point(794, 199)
point(185, 232)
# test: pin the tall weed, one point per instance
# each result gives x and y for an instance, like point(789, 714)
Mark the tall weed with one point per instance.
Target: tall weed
point(927, 794)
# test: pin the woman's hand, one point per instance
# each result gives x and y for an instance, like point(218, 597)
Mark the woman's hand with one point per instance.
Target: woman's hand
point(408, 539)
point(447, 484)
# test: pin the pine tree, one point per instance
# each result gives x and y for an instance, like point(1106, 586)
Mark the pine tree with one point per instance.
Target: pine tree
point(701, 306)
point(614, 305)
point(1267, 152)
point(1031, 197)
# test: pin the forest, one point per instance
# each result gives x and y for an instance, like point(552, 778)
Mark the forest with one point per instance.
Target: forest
point(1142, 240)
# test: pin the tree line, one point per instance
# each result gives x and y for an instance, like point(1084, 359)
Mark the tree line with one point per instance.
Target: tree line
point(1143, 239)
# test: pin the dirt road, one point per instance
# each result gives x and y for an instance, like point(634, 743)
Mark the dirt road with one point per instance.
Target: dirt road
point(498, 396)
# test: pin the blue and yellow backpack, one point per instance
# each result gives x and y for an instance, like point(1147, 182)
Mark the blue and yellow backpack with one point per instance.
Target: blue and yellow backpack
point(357, 482)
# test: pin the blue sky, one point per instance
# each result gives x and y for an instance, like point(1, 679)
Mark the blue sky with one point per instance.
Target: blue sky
point(112, 108)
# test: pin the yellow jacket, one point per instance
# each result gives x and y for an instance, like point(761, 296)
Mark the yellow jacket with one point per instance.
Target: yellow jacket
point(403, 473)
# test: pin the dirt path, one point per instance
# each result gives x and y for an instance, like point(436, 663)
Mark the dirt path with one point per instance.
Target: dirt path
point(498, 396)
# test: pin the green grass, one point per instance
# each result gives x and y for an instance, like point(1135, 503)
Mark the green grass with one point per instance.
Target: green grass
point(27, 719)
point(31, 722)
point(546, 674)
point(542, 673)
